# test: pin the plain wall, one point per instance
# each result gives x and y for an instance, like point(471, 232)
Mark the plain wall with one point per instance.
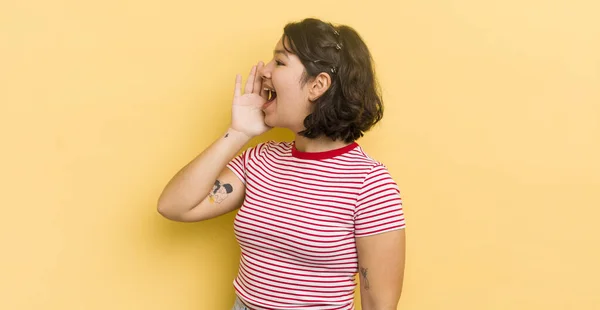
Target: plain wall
point(491, 130)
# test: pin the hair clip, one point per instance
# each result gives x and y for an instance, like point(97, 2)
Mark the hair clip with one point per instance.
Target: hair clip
point(336, 32)
point(338, 46)
point(332, 69)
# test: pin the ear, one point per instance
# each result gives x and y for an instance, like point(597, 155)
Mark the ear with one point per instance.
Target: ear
point(318, 86)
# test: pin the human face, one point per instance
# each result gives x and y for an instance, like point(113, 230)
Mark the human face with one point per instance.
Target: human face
point(291, 105)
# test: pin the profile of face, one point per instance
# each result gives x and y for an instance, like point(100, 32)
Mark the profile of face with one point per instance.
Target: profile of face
point(321, 82)
point(293, 99)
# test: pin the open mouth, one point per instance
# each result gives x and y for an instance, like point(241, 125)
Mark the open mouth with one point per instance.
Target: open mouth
point(271, 94)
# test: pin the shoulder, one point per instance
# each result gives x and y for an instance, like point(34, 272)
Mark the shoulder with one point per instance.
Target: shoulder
point(266, 147)
point(375, 170)
point(363, 158)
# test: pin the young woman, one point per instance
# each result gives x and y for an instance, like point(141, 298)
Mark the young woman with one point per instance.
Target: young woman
point(314, 212)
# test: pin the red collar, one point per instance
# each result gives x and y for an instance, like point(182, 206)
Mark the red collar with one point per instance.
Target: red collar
point(322, 155)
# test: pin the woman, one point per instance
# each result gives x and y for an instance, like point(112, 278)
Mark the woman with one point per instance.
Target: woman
point(313, 212)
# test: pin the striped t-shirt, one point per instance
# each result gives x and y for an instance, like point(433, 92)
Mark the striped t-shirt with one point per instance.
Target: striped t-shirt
point(299, 220)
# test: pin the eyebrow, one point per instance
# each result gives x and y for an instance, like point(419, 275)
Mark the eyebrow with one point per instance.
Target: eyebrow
point(284, 52)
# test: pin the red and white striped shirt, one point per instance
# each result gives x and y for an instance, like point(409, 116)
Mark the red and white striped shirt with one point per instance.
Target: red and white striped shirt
point(299, 220)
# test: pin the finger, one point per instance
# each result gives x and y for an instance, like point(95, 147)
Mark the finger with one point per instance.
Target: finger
point(250, 81)
point(238, 86)
point(258, 78)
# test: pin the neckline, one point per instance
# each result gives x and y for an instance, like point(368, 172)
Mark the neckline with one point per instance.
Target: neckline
point(322, 155)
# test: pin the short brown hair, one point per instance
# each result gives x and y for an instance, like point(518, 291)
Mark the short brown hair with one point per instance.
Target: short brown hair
point(352, 104)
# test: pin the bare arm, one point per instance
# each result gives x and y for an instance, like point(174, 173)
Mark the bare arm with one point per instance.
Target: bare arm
point(381, 269)
point(191, 194)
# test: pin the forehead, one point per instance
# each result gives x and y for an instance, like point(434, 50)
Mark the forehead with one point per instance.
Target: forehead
point(288, 57)
point(280, 49)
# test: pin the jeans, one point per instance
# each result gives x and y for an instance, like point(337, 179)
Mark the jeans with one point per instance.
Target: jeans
point(239, 305)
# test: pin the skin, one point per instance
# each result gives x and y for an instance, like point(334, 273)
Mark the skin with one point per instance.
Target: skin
point(381, 269)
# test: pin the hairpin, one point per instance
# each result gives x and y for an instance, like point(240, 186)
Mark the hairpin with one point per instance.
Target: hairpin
point(332, 69)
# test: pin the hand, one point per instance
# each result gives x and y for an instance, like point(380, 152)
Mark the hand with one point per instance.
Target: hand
point(246, 112)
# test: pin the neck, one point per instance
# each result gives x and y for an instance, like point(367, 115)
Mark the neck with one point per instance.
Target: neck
point(321, 144)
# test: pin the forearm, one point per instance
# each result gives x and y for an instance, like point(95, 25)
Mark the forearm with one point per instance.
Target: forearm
point(193, 182)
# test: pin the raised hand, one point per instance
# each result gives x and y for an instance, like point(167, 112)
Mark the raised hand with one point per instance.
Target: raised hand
point(246, 112)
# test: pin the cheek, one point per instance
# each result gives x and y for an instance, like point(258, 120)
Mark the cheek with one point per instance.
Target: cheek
point(286, 83)
point(290, 95)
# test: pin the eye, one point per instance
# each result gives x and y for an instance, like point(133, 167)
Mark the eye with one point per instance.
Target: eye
point(279, 63)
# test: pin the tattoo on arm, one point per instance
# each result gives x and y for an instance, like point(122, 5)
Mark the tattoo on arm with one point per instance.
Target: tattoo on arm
point(364, 279)
point(219, 192)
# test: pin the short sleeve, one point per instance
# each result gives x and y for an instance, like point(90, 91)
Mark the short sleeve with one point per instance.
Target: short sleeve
point(238, 165)
point(379, 205)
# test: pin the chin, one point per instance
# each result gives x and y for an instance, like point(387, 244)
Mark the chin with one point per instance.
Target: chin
point(269, 122)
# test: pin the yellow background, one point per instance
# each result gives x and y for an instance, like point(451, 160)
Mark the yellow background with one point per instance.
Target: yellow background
point(492, 131)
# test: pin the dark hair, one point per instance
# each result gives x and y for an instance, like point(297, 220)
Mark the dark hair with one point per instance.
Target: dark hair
point(352, 104)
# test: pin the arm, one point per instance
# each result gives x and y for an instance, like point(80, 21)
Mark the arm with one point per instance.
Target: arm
point(193, 193)
point(381, 269)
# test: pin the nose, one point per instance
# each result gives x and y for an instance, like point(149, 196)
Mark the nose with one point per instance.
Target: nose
point(265, 71)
